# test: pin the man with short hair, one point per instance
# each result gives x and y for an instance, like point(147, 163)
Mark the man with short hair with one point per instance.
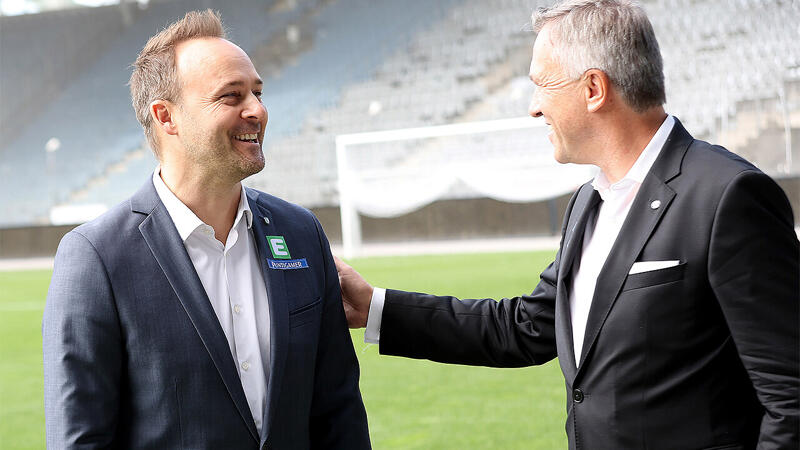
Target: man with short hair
point(199, 313)
point(672, 303)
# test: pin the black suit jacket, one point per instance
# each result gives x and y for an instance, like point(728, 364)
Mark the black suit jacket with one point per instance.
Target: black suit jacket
point(700, 355)
point(134, 356)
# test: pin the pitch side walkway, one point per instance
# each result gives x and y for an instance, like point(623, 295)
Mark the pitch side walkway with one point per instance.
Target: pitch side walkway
point(380, 249)
point(372, 249)
point(456, 246)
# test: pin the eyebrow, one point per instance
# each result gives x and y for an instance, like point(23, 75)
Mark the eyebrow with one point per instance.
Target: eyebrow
point(238, 83)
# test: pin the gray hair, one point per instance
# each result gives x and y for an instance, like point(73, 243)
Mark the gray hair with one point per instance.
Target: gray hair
point(614, 36)
point(154, 75)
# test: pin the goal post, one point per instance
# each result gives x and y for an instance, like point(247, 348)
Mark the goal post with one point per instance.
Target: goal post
point(393, 172)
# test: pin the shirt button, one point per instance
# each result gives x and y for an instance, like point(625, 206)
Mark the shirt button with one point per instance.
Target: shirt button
point(577, 395)
point(245, 365)
point(237, 308)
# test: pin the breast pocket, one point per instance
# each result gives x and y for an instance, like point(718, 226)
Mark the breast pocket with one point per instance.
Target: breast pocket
point(654, 277)
point(305, 314)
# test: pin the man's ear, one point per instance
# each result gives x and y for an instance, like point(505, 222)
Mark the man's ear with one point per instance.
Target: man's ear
point(161, 110)
point(597, 89)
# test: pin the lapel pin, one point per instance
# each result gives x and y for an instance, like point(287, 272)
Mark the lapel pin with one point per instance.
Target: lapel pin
point(656, 204)
point(266, 220)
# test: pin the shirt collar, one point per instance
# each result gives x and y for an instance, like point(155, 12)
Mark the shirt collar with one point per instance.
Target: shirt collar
point(184, 219)
point(643, 164)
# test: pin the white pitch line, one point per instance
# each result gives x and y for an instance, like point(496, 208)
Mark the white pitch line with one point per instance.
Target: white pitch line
point(21, 306)
point(15, 264)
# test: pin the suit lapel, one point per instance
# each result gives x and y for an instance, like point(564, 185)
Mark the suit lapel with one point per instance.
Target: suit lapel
point(642, 219)
point(585, 205)
point(164, 241)
point(264, 225)
point(637, 228)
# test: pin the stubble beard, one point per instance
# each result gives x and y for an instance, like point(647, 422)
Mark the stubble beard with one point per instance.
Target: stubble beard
point(215, 156)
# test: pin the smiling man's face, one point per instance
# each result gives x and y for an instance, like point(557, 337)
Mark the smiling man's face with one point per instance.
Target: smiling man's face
point(559, 100)
point(220, 117)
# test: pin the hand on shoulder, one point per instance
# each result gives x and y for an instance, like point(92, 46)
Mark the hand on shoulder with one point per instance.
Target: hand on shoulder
point(356, 294)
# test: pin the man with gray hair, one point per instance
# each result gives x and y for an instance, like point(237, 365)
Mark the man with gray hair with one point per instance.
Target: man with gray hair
point(672, 304)
point(199, 313)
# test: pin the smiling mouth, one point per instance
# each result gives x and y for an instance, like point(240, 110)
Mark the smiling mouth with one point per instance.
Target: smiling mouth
point(251, 138)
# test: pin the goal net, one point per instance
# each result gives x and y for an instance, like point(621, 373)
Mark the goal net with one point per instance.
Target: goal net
point(391, 173)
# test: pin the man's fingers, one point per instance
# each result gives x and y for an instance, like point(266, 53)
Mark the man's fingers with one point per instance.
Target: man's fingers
point(341, 266)
point(356, 294)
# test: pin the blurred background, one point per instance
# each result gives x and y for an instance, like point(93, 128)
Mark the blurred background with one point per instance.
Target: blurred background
point(70, 148)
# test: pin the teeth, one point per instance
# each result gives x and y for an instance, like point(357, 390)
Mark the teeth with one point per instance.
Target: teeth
point(246, 137)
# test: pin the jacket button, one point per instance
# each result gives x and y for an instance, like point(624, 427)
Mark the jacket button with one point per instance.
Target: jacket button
point(577, 395)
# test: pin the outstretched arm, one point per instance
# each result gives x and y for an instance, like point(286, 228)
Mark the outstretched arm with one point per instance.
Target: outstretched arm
point(510, 333)
point(513, 332)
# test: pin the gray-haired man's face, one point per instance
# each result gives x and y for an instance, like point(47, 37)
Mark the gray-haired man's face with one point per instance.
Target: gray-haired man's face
point(559, 100)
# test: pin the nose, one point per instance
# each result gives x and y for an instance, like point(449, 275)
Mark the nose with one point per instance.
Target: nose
point(534, 109)
point(255, 110)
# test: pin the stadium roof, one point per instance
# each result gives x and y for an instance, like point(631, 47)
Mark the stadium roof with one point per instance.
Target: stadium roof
point(19, 7)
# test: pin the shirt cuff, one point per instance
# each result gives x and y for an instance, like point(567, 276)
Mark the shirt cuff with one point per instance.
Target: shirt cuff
point(372, 335)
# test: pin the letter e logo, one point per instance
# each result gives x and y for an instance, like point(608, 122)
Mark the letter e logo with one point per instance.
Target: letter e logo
point(277, 245)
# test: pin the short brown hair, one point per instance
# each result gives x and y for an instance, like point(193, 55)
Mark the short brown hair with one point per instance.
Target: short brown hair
point(154, 76)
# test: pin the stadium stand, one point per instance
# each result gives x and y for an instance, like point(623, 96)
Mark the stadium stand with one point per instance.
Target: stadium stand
point(451, 72)
point(92, 118)
point(340, 56)
point(41, 54)
point(431, 80)
point(343, 66)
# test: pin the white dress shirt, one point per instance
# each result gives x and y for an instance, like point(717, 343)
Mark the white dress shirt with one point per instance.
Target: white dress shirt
point(231, 276)
point(601, 232)
point(603, 227)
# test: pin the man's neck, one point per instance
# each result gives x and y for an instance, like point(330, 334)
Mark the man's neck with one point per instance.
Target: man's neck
point(212, 200)
point(625, 139)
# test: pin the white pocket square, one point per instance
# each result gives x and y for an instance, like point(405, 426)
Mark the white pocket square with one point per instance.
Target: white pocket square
point(648, 266)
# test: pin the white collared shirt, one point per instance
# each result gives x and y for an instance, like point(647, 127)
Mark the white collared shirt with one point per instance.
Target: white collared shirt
point(601, 232)
point(603, 227)
point(232, 279)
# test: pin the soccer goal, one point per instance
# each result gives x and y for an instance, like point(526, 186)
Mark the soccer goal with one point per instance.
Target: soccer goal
point(394, 172)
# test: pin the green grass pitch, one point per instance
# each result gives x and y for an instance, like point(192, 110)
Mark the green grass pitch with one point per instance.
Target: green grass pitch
point(411, 404)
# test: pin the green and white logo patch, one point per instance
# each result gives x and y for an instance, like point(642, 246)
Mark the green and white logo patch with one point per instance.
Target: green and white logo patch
point(277, 245)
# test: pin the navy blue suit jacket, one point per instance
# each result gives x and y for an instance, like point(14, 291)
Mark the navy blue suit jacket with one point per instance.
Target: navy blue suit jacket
point(134, 356)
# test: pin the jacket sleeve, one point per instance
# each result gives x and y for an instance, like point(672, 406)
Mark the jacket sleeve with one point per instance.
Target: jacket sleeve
point(753, 270)
point(513, 332)
point(338, 418)
point(81, 347)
